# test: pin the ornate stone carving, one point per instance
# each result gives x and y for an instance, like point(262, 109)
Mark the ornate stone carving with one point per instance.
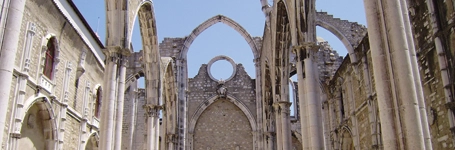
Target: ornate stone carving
point(221, 89)
point(171, 138)
point(152, 110)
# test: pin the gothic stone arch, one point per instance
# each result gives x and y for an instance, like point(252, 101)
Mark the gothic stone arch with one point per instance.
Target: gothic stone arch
point(214, 20)
point(350, 33)
point(169, 93)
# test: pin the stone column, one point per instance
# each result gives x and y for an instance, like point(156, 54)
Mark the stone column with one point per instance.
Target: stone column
point(259, 111)
point(278, 129)
point(270, 139)
point(300, 56)
point(171, 139)
point(285, 124)
point(120, 99)
point(132, 96)
point(313, 103)
point(153, 113)
point(383, 91)
point(9, 45)
point(402, 70)
point(108, 104)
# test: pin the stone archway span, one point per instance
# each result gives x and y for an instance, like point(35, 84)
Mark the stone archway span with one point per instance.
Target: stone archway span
point(214, 20)
point(204, 105)
point(350, 33)
point(166, 62)
point(136, 76)
point(339, 35)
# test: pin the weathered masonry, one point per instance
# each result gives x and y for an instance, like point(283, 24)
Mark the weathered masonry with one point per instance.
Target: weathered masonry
point(62, 88)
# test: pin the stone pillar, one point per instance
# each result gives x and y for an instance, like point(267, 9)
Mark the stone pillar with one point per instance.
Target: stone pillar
point(132, 96)
point(9, 45)
point(120, 99)
point(108, 104)
point(270, 139)
point(259, 128)
point(300, 56)
point(383, 91)
point(153, 113)
point(313, 105)
point(279, 128)
point(285, 124)
point(416, 74)
point(389, 44)
point(171, 139)
point(402, 70)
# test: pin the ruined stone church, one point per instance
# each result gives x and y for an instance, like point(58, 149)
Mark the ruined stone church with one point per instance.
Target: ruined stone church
point(61, 88)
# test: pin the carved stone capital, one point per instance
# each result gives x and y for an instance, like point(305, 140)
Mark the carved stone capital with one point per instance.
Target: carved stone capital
point(305, 50)
point(171, 138)
point(123, 61)
point(284, 106)
point(152, 110)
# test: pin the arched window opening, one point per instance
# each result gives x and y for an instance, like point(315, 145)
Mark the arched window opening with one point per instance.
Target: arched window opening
point(50, 58)
point(293, 97)
point(342, 105)
point(98, 99)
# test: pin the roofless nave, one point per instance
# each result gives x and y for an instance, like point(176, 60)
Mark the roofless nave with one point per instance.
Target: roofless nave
point(63, 89)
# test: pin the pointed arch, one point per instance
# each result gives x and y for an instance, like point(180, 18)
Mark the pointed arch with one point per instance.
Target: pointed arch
point(346, 140)
point(349, 33)
point(214, 20)
point(204, 105)
point(339, 35)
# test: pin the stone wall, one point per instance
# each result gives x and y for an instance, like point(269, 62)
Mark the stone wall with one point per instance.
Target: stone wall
point(202, 88)
point(430, 71)
point(223, 126)
point(73, 53)
point(210, 126)
point(349, 107)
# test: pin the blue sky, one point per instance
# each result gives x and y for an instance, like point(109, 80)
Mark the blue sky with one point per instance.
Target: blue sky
point(177, 18)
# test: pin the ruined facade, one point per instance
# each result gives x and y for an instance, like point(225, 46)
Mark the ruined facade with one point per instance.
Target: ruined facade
point(61, 88)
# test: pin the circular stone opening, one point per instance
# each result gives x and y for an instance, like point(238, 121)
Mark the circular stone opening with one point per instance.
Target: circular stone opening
point(224, 71)
point(221, 69)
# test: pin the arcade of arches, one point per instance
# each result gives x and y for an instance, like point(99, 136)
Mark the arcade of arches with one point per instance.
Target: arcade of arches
point(62, 88)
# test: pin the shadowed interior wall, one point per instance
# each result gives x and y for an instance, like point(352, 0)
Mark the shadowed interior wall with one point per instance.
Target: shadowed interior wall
point(32, 130)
